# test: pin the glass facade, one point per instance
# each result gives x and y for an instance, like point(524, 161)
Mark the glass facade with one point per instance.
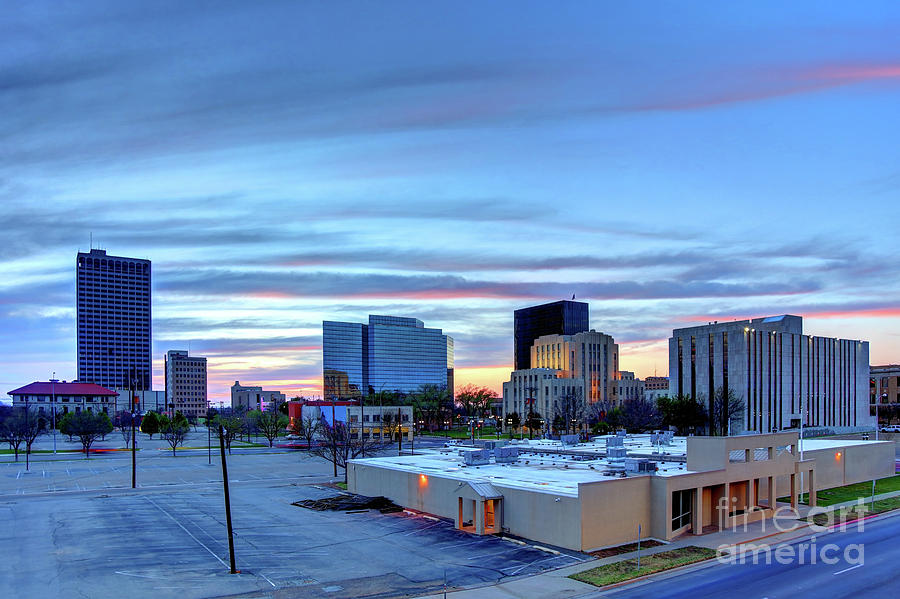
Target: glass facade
point(389, 353)
point(565, 317)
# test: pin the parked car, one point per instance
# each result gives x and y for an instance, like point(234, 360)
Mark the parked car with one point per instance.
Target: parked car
point(893, 428)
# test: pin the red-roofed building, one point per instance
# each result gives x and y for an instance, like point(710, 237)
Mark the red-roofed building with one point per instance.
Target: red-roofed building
point(66, 397)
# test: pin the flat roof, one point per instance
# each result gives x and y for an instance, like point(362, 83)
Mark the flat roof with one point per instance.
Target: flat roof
point(542, 469)
point(533, 471)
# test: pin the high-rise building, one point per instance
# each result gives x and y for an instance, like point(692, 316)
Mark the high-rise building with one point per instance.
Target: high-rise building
point(113, 320)
point(564, 317)
point(781, 375)
point(590, 356)
point(390, 353)
point(186, 384)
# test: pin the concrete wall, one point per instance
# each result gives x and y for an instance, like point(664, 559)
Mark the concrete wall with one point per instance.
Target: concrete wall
point(531, 514)
point(611, 511)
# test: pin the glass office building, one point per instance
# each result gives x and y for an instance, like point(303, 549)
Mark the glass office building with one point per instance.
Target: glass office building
point(389, 353)
point(565, 317)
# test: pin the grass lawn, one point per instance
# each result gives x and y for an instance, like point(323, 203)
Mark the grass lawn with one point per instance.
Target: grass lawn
point(341, 485)
point(628, 548)
point(881, 505)
point(650, 564)
point(488, 432)
point(828, 497)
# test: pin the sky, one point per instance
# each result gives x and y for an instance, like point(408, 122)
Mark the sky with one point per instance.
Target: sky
point(285, 163)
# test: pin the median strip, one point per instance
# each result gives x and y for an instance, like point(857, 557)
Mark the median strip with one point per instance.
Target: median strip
point(650, 564)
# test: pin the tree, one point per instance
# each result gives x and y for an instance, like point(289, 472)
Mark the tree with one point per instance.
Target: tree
point(533, 422)
point(122, 420)
point(174, 430)
point(432, 404)
point(475, 401)
point(339, 446)
point(270, 424)
point(727, 411)
point(683, 412)
point(514, 421)
point(569, 410)
point(88, 427)
point(390, 422)
point(639, 415)
point(231, 426)
point(307, 428)
point(150, 423)
point(62, 424)
point(13, 429)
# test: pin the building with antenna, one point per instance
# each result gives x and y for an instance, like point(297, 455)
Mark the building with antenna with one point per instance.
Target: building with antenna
point(113, 301)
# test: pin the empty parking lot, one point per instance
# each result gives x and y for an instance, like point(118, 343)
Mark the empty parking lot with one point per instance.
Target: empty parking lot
point(95, 537)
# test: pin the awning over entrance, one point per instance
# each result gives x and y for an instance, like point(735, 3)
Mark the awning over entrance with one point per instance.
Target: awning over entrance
point(480, 490)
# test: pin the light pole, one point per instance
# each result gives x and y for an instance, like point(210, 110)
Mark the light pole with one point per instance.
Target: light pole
point(877, 421)
point(53, 406)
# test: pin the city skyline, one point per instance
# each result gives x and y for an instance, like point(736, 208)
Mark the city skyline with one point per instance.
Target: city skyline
point(693, 164)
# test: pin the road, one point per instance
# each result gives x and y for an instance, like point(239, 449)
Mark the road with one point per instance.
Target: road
point(873, 576)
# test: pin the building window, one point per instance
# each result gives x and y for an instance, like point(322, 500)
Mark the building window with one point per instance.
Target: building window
point(681, 508)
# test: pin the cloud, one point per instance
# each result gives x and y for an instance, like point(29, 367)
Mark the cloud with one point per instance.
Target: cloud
point(443, 286)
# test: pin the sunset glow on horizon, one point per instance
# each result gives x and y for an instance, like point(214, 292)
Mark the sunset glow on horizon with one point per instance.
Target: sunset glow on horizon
point(287, 163)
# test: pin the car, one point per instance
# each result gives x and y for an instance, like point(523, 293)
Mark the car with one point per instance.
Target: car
point(893, 428)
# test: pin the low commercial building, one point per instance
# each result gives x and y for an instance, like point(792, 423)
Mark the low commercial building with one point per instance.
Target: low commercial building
point(147, 401)
point(374, 422)
point(884, 391)
point(46, 396)
point(655, 387)
point(596, 495)
point(254, 398)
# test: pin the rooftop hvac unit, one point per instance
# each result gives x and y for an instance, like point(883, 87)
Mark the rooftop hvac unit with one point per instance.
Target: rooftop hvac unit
point(569, 439)
point(616, 452)
point(620, 434)
point(505, 455)
point(638, 465)
point(476, 457)
point(615, 442)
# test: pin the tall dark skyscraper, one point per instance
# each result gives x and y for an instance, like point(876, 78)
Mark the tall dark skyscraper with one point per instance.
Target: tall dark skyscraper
point(113, 311)
point(564, 317)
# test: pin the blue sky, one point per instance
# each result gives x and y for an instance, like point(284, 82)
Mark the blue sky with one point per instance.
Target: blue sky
point(282, 163)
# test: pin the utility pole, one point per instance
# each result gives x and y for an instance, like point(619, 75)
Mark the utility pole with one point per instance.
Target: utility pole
point(399, 432)
point(333, 437)
point(134, 405)
point(227, 500)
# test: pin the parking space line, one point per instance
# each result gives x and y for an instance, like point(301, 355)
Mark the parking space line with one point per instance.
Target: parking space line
point(211, 552)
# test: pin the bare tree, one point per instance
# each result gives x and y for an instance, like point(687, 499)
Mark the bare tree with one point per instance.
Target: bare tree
point(475, 401)
point(569, 410)
point(727, 411)
point(308, 428)
point(270, 424)
point(339, 446)
point(123, 422)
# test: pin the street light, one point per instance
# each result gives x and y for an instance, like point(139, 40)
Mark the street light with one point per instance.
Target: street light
point(53, 406)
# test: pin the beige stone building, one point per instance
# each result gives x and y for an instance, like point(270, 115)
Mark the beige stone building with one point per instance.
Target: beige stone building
point(884, 390)
point(579, 498)
point(591, 357)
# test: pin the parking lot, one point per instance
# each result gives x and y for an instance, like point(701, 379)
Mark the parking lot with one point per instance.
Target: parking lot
point(95, 537)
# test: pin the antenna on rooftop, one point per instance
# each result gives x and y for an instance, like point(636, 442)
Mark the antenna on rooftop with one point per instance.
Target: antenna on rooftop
point(92, 240)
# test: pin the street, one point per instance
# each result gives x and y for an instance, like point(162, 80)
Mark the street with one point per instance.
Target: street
point(873, 576)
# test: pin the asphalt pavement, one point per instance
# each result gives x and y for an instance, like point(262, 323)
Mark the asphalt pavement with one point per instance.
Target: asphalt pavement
point(865, 565)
